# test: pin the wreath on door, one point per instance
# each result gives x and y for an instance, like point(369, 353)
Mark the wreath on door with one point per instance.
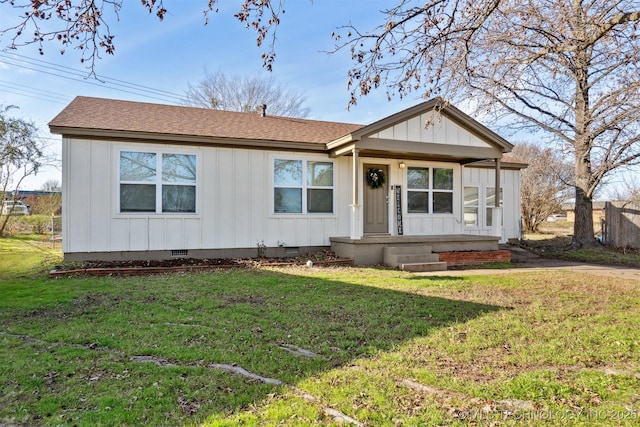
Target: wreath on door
point(375, 178)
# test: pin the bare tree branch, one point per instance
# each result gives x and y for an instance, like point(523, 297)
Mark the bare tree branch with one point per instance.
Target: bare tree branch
point(543, 184)
point(220, 91)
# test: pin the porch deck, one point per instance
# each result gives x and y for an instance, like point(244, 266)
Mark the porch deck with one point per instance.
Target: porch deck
point(369, 250)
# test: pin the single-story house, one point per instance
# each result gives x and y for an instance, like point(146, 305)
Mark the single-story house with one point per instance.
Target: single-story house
point(149, 181)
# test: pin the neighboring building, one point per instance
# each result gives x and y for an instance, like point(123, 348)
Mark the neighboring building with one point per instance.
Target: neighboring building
point(145, 181)
point(14, 207)
point(598, 212)
point(39, 201)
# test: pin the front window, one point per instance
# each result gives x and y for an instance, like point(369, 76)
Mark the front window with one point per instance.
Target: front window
point(301, 186)
point(319, 187)
point(471, 206)
point(418, 190)
point(429, 190)
point(157, 182)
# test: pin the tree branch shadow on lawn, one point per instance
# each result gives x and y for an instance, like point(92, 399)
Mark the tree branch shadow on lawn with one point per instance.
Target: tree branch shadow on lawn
point(194, 326)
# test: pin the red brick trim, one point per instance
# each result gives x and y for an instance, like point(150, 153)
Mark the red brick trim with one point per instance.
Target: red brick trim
point(473, 257)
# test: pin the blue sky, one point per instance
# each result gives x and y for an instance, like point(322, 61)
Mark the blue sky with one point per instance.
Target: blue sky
point(168, 55)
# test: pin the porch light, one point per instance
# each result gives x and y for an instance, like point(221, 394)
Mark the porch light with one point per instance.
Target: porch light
point(402, 165)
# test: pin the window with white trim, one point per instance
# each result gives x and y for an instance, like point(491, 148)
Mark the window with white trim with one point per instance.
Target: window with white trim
point(429, 190)
point(155, 182)
point(302, 186)
point(471, 206)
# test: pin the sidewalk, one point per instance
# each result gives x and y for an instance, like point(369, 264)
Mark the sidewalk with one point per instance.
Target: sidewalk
point(524, 261)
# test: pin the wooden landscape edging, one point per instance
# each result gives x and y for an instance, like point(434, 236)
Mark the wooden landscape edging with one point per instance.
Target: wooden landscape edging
point(142, 271)
point(135, 271)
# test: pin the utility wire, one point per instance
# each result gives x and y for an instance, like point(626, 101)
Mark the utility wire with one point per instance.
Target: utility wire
point(133, 92)
point(33, 92)
point(84, 75)
point(27, 95)
point(79, 76)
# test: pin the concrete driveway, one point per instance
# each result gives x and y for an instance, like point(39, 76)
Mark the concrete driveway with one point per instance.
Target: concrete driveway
point(524, 261)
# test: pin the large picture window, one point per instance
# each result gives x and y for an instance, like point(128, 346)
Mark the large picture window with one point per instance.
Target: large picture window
point(157, 182)
point(429, 190)
point(301, 186)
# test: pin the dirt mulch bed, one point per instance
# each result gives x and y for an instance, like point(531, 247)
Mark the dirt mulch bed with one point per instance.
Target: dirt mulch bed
point(184, 265)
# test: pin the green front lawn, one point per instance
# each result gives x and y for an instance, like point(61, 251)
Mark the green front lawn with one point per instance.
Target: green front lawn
point(298, 346)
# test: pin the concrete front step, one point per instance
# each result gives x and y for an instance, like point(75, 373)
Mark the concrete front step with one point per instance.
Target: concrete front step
point(424, 266)
point(396, 256)
point(394, 260)
point(407, 249)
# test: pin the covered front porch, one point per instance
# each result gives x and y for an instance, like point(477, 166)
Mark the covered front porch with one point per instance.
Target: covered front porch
point(410, 179)
point(370, 250)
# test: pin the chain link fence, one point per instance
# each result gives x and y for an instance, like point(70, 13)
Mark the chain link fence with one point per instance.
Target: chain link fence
point(55, 230)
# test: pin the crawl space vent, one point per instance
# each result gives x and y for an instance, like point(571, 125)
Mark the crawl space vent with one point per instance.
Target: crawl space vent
point(177, 253)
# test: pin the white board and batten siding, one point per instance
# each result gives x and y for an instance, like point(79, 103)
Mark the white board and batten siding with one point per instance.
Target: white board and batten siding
point(234, 206)
point(431, 128)
point(235, 202)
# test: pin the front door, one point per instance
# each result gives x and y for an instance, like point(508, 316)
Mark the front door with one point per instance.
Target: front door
point(376, 201)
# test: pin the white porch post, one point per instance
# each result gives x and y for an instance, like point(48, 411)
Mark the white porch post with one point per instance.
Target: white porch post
point(355, 207)
point(497, 210)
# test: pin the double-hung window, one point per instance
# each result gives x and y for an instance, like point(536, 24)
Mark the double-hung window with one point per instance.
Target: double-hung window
point(302, 186)
point(154, 182)
point(429, 190)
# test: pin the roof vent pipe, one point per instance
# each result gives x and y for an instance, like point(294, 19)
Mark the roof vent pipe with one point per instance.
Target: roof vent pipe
point(263, 108)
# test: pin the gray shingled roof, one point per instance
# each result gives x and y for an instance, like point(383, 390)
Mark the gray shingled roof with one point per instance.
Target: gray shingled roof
point(98, 114)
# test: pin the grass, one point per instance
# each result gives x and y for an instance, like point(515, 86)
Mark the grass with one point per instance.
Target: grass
point(25, 255)
point(393, 348)
point(555, 237)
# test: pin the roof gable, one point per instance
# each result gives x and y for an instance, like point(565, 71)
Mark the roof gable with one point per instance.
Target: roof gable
point(431, 127)
point(434, 121)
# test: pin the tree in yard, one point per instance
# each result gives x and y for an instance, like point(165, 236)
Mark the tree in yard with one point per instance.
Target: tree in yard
point(51, 185)
point(245, 94)
point(47, 204)
point(544, 184)
point(569, 69)
point(21, 155)
point(84, 24)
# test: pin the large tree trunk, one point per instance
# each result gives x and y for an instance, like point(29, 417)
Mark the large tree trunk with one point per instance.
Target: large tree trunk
point(583, 235)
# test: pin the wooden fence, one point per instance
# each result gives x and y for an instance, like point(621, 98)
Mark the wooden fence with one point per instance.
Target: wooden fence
point(621, 226)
